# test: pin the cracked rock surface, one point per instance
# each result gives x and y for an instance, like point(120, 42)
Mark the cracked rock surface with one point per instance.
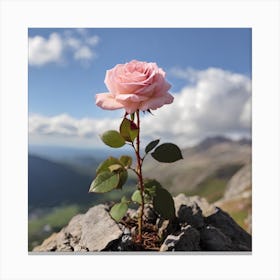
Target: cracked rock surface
point(198, 226)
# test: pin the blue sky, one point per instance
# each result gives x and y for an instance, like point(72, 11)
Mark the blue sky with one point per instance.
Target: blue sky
point(67, 68)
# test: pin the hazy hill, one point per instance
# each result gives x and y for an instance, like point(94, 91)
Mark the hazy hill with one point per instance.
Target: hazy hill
point(217, 169)
point(52, 184)
point(215, 158)
point(237, 198)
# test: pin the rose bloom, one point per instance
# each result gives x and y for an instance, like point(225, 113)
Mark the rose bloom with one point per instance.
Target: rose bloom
point(134, 86)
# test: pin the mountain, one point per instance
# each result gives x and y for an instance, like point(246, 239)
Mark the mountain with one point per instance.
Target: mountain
point(217, 169)
point(52, 184)
point(67, 154)
point(214, 159)
point(237, 198)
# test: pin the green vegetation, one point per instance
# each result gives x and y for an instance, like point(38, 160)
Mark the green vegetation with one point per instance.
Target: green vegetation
point(40, 228)
point(213, 187)
point(240, 217)
point(239, 209)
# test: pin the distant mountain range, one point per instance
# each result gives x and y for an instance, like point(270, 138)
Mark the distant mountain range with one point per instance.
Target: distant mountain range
point(216, 157)
point(51, 183)
point(218, 169)
point(58, 153)
point(60, 177)
point(64, 181)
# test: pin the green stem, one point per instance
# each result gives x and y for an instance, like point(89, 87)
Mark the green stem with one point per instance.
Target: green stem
point(140, 177)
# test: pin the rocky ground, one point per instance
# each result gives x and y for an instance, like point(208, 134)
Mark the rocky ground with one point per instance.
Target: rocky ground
point(198, 226)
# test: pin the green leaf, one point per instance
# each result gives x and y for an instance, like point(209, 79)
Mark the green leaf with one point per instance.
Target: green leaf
point(164, 203)
point(150, 187)
point(104, 166)
point(136, 197)
point(118, 211)
point(151, 192)
point(151, 184)
point(128, 130)
point(115, 167)
point(167, 152)
point(132, 116)
point(124, 199)
point(123, 178)
point(151, 145)
point(105, 182)
point(126, 161)
point(113, 139)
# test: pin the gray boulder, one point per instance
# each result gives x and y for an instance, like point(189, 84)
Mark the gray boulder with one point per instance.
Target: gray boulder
point(241, 240)
point(213, 239)
point(181, 199)
point(93, 231)
point(216, 231)
point(186, 240)
point(190, 214)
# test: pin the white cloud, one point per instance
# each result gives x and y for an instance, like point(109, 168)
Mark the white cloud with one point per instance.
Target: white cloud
point(93, 40)
point(217, 102)
point(74, 43)
point(42, 51)
point(66, 130)
point(83, 53)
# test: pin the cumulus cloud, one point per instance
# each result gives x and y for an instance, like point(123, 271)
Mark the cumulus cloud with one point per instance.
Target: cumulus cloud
point(42, 51)
point(216, 102)
point(65, 125)
point(58, 47)
point(83, 53)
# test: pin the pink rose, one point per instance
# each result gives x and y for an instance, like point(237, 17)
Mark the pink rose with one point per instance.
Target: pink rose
point(134, 86)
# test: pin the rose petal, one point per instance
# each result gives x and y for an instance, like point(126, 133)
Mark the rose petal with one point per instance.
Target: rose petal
point(130, 97)
point(127, 88)
point(131, 107)
point(156, 102)
point(135, 85)
point(107, 101)
point(148, 90)
point(109, 81)
point(162, 86)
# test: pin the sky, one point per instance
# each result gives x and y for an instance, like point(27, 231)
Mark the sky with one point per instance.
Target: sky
point(209, 70)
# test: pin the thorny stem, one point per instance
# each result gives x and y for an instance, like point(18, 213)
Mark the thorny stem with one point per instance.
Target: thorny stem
point(140, 177)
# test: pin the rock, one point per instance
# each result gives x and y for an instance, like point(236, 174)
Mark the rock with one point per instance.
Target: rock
point(241, 240)
point(55, 241)
point(132, 213)
point(207, 209)
point(187, 240)
point(191, 215)
point(193, 229)
point(213, 239)
point(150, 215)
point(126, 243)
point(166, 227)
point(92, 231)
point(98, 229)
